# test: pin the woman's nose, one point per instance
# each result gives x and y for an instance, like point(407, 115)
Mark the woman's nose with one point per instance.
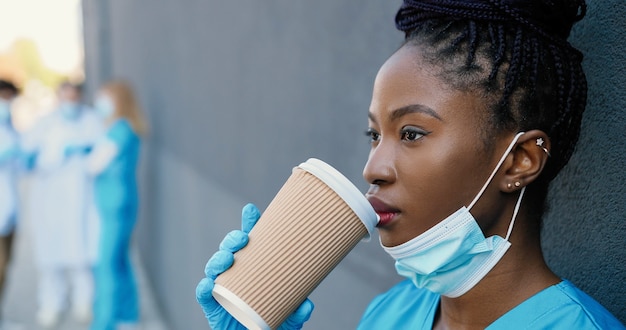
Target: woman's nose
point(379, 168)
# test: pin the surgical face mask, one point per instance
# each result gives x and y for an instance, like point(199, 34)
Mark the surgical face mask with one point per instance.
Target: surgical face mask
point(5, 111)
point(454, 255)
point(104, 106)
point(70, 110)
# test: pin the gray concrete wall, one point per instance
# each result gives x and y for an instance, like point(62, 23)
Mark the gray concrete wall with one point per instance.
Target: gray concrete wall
point(585, 231)
point(239, 92)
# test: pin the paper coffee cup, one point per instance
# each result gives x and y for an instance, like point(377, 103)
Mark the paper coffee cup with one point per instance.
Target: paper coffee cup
point(313, 222)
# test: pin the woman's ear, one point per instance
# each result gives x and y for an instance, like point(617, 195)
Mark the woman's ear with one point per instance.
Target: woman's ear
point(529, 157)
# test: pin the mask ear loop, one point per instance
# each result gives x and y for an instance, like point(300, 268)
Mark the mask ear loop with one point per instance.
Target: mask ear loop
point(517, 206)
point(519, 199)
point(506, 153)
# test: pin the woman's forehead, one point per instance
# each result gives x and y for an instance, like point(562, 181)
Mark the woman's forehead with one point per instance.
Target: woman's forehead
point(405, 79)
point(402, 73)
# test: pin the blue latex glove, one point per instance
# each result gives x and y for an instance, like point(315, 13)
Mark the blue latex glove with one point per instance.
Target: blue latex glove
point(8, 155)
point(27, 160)
point(72, 150)
point(218, 317)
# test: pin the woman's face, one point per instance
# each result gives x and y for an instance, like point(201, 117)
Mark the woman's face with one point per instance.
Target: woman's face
point(69, 94)
point(428, 155)
point(105, 105)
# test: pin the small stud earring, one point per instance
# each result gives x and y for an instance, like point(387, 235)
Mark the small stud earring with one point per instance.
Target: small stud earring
point(517, 183)
point(539, 143)
point(509, 185)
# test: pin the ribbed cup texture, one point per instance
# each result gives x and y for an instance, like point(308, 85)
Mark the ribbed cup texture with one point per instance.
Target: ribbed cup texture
point(303, 234)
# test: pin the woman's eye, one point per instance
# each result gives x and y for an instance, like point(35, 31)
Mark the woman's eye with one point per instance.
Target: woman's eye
point(412, 134)
point(372, 135)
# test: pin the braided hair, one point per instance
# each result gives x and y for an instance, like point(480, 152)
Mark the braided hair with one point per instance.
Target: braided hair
point(516, 54)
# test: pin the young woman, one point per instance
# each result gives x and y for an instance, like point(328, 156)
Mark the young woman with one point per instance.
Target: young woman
point(113, 162)
point(470, 120)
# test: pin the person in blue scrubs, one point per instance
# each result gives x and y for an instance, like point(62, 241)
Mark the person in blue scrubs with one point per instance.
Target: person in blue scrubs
point(470, 120)
point(113, 163)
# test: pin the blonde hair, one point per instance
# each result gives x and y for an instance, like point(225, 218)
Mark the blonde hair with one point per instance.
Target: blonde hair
point(126, 104)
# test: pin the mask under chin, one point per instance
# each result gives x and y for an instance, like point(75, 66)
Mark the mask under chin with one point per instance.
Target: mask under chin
point(70, 110)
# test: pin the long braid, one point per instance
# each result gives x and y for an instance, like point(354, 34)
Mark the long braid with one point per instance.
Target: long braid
point(473, 42)
point(514, 68)
point(496, 34)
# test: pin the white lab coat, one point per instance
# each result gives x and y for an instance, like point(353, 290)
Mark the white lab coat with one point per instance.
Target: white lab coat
point(65, 233)
point(8, 181)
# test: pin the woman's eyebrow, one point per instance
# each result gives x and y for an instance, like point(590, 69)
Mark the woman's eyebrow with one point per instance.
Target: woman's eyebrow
point(370, 115)
point(413, 108)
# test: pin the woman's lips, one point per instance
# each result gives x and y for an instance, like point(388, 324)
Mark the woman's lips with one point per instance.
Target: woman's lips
point(385, 218)
point(385, 212)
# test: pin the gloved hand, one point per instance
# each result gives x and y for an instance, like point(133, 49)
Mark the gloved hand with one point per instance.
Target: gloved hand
point(9, 154)
point(27, 160)
point(71, 150)
point(218, 317)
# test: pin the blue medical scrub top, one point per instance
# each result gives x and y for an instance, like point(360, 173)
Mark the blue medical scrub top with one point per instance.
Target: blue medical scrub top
point(116, 186)
point(561, 306)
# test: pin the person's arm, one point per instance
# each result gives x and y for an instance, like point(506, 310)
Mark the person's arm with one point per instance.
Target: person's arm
point(15, 155)
point(76, 150)
point(101, 156)
point(30, 143)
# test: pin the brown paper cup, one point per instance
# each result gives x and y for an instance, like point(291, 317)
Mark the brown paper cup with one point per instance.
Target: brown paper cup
point(316, 218)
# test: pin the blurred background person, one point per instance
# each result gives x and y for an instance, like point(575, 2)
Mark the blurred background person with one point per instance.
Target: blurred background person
point(113, 163)
point(9, 153)
point(62, 233)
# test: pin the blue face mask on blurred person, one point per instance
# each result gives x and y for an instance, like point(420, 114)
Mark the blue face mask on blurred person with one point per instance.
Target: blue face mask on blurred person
point(5, 111)
point(70, 110)
point(454, 255)
point(104, 106)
